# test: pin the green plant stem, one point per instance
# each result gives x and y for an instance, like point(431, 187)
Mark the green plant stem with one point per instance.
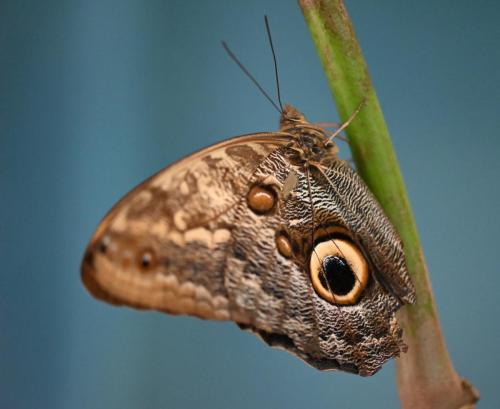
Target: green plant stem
point(425, 374)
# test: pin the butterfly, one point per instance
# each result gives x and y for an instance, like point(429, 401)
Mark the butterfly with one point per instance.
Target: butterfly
point(270, 230)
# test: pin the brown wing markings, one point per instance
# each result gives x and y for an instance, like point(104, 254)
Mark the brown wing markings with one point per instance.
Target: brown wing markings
point(133, 225)
point(389, 266)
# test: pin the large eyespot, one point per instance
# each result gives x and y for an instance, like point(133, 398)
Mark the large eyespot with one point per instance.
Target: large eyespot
point(339, 271)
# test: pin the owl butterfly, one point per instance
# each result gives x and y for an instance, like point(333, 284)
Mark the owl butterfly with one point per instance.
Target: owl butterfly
point(270, 230)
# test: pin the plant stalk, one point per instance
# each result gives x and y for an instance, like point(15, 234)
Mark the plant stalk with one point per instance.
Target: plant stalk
point(425, 374)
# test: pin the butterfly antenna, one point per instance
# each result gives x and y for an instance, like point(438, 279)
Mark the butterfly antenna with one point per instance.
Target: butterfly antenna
point(349, 120)
point(252, 78)
point(268, 29)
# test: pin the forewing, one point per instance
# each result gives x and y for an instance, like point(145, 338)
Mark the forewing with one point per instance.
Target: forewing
point(165, 245)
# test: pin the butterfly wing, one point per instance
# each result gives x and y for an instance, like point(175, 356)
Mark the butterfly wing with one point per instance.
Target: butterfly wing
point(363, 216)
point(279, 298)
point(164, 246)
point(331, 202)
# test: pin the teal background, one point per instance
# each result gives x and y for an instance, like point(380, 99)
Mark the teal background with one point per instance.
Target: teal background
point(97, 95)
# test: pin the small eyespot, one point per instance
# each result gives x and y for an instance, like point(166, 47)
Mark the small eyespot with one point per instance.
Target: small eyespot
point(283, 245)
point(339, 271)
point(261, 199)
point(146, 260)
point(103, 244)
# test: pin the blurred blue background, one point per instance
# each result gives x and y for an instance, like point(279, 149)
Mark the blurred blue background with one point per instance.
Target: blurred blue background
point(97, 95)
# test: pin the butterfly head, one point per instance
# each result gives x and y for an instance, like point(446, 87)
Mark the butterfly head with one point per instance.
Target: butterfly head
point(310, 141)
point(291, 116)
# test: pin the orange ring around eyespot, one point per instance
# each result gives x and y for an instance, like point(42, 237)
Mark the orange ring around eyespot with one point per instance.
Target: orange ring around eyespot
point(354, 258)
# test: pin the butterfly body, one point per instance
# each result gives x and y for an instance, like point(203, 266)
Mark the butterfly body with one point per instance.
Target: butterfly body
point(272, 231)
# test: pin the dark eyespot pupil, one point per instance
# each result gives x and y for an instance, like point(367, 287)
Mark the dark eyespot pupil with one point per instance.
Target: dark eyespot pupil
point(339, 276)
point(103, 247)
point(146, 260)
